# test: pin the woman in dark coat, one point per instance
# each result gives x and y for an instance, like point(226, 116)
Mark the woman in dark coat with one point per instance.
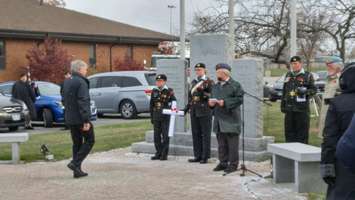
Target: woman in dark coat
point(22, 90)
point(340, 180)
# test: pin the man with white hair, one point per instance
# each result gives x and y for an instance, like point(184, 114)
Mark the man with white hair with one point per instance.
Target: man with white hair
point(226, 99)
point(77, 115)
point(334, 67)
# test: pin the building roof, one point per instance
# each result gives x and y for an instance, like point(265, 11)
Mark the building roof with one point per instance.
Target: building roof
point(29, 19)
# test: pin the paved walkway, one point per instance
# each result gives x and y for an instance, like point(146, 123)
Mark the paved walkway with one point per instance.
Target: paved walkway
point(122, 175)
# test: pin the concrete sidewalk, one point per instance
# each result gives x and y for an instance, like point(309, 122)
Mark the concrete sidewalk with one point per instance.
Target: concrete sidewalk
point(122, 175)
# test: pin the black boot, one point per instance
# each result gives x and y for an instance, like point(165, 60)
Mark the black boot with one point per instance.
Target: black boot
point(220, 167)
point(194, 160)
point(156, 157)
point(231, 169)
point(77, 173)
point(163, 157)
point(203, 161)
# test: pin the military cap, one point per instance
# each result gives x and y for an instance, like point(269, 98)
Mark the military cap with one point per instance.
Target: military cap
point(223, 66)
point(200, 65)
point(295, 59)
point(161, 77)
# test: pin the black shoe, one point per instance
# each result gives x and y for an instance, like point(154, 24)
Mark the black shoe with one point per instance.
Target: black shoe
point(203, 161)
point(79, 174)
point(155, 157)
point(194, 160)
point(220, 167)
point(73, 167)
point(231, 169)
point(162, 158)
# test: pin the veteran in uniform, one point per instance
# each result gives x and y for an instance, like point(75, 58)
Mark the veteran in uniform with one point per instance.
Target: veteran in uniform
point(298, 88)
point(331, 89)
point(161, 98)
point(226, 99)
point(200, 114)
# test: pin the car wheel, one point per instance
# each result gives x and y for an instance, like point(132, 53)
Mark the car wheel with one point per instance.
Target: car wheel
point(100, 115)
point(47, 118)
point(13, 129)
point(128, 110)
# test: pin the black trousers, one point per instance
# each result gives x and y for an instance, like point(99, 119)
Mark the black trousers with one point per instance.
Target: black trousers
point(82, 143)
point(297, 127)
point(201, 136)
point(161, 137)
point(228, 149)
point(344, 188)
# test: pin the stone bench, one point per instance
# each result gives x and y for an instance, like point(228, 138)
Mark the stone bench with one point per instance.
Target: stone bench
point(298, 163)
point(14, 139)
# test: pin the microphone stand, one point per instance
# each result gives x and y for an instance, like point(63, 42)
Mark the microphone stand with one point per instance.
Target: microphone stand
point(243, 166)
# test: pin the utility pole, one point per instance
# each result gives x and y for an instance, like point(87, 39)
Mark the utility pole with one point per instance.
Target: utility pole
point(171, 7)
point(182, 30)
point(293, 27)
point(231, 4)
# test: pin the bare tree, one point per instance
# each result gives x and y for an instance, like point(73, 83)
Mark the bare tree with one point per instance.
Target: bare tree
point(262, 26)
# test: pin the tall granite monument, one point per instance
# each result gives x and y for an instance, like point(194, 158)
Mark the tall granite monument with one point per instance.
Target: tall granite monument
point(212, 49)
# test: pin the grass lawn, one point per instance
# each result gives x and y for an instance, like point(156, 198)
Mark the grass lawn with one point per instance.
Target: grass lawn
point(107, 138)
point(274, 125)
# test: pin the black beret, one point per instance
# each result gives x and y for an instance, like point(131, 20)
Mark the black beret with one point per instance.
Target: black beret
point(161, 77)
point(296, 59)
point(223, 66)
point(200, 65)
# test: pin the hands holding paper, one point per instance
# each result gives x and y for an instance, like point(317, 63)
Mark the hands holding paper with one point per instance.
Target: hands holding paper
point(213, 102)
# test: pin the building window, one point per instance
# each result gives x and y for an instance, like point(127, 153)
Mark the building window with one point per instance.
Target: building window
point(92, 55)
point(2, 54)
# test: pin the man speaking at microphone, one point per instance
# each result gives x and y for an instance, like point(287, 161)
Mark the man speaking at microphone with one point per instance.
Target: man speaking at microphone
point(226, 99)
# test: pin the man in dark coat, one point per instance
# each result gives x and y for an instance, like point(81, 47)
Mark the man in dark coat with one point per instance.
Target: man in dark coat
point(161, 98)
point(77, 115)
point(200, 114)
point(226, 99)
point(297, 90)
point(22, 90)
point(340, 180)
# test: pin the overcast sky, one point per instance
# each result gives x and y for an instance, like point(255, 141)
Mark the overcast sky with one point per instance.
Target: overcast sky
point(152, 14)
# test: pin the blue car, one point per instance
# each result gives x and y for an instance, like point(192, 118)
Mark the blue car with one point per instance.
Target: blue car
point(48, 104)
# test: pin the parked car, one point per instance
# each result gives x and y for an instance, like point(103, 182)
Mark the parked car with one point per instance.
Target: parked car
point(275, 91)
point(126, 92)
point(48, 104)
point(12, 113)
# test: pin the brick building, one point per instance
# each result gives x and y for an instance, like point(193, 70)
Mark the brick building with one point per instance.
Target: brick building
point(98, 41)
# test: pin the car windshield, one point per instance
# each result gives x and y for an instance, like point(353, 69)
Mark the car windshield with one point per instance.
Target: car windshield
point(150, 78)
point(49, 89)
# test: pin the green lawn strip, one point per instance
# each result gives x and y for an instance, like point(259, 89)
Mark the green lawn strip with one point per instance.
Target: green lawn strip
point(107, 138)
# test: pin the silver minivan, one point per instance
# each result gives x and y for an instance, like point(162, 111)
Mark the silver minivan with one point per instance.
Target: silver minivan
point(124, 92)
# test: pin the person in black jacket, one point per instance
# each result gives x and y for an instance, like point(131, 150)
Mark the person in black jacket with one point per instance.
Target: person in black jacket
point(22, 90)
point(297, 90)
point(162, 97)
point(76, 100)
point(200, 114)
point(340, 180)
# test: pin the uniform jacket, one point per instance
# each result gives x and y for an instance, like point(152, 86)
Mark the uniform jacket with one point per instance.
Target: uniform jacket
point(161, 99)
point(291, 92)
point(199, 94)
point(227, 119)
point(76, 100)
